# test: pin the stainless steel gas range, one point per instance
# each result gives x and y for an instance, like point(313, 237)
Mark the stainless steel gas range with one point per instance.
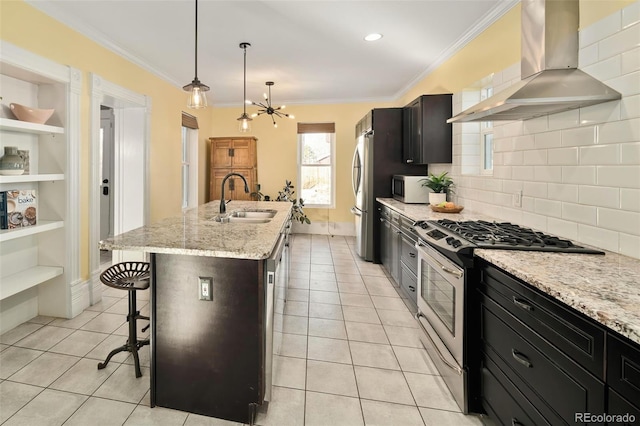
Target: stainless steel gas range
point(445, 277)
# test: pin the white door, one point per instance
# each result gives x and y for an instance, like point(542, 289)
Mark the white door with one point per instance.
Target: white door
point(106, 163)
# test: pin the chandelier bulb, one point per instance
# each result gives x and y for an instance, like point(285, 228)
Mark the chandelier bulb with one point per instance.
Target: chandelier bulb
point(291, 116)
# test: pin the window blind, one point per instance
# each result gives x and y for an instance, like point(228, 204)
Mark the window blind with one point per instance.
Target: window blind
point(316, 128)
point(189, 121)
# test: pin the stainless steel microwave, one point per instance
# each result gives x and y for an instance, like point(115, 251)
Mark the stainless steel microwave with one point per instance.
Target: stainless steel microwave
point(409, 189)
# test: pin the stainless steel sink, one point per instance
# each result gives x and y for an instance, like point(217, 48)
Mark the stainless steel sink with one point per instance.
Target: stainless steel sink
point(235, 219)
point(253, 214)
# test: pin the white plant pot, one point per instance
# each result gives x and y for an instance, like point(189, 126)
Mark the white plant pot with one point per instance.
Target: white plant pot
point(437, 197)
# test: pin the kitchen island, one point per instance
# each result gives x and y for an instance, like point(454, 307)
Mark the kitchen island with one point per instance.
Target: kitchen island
point(211, 344)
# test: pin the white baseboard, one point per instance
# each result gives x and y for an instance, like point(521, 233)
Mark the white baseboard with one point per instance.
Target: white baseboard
point(347, 229)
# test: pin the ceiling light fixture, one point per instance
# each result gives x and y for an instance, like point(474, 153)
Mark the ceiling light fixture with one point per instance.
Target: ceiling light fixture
point(373, 37)
point(268, 108)
point(197, 96)
point(244, 119)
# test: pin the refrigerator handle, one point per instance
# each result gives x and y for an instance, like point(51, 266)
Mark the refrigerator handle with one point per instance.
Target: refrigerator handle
point(356, 211)
point(355, 173)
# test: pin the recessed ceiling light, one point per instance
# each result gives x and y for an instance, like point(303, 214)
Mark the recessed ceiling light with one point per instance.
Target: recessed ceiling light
point(373, 37)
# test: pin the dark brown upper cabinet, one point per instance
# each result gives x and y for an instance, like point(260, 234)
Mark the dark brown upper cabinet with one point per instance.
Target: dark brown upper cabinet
point(426, 133)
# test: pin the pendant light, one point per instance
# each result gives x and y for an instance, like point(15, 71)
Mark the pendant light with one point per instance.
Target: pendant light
point(244, 120)
point(268, 108)
point(197, 91)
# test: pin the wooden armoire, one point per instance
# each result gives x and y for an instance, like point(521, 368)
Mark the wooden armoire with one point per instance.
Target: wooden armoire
point(233, 154)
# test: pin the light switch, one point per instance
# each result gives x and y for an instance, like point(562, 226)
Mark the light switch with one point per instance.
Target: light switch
point(205, 285)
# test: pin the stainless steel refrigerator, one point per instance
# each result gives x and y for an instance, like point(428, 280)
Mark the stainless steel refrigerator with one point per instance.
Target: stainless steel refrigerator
point(377, 157)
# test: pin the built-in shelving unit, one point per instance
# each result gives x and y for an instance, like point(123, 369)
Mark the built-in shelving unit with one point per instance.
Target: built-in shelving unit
point(39, 264)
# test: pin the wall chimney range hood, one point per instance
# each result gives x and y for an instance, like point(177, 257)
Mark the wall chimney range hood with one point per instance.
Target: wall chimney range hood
point(551, 81)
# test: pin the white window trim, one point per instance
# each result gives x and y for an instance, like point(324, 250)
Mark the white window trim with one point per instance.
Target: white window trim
point(332, 204)
point(191, 136)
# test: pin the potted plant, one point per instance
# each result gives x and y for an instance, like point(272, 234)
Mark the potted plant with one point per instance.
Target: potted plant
point(440, 184)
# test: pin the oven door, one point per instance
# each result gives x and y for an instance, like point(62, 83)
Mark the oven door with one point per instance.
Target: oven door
point(440, 315)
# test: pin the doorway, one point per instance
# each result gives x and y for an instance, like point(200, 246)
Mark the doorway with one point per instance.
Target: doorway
point(120, 156)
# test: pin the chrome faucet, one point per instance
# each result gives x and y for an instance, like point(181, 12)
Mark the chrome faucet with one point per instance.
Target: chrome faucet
point(223, 204)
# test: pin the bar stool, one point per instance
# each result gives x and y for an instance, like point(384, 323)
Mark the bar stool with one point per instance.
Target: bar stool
point(130, 276)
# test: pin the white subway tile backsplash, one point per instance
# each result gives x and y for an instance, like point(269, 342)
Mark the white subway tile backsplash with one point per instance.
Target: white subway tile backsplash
point(579, 213)
point(522, 172)
point(535, 157)
point(630, 153)
point(631, 15)
point(580, 136)
point(599, 154)
point(548, 139)
point(630, 61)
point(562, 228)
point(606, 69)
point(579, 170)
point(579, 175)
point(563, 156)
point(599, 196)
point(630, 107)
point(547, 174)
point(630, 245)
point(630, 199)
point(535, 221)
point(548, 207)
point(601, 29)
point(588, 55)
point(620, 42)
point(563, 192)
point(600, 113)
point(598, 237)
point(620, 131)
point(619, 220)
point(620, 176)
point(564, 120)
point(534, 189)
point(472, 127)
point(536, 125)
point(627, 84)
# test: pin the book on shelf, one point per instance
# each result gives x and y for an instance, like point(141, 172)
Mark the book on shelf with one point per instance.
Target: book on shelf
point(18, 208)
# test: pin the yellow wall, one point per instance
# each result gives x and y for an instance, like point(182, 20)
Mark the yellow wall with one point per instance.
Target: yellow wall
point(26, 27)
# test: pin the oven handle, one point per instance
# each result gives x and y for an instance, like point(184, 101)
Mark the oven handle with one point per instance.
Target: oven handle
point(443, 267)
point(455, 368)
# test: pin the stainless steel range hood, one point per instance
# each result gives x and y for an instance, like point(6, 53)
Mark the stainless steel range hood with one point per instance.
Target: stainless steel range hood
point(551, 81)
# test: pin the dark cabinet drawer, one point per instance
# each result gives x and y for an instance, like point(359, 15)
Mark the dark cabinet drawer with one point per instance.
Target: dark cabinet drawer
point(409, 254)
point(409, 283)
point(503, 401)
point(619, 406)
point(578, 337)
point(562, 384)
point(623, 368)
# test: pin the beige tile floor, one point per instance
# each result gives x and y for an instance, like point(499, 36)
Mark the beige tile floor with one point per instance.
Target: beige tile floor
point(350, 356)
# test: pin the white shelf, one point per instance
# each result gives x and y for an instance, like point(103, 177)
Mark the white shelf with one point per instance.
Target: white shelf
point(42, 226)
point(10, 125)
point(32, 178)
point(26, 279)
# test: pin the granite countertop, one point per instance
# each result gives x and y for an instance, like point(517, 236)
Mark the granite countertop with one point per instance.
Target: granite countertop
point(196, 233)
point(604, 288)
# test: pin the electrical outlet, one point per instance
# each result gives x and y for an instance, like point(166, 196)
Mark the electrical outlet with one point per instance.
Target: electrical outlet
point(517, 199)
point(205, 285)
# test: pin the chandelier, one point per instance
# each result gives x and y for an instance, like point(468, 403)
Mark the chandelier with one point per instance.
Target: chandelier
point(197, 96)
point(268, 109)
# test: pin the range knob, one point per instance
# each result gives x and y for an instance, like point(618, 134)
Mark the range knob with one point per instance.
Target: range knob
point(456, 243)
point(450, 240)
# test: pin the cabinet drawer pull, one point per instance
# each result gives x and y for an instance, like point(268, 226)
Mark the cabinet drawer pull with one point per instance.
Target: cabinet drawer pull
point(409, 161)
point(521, 304)
point(521, 358)
point(412, 254)
point(515, 422)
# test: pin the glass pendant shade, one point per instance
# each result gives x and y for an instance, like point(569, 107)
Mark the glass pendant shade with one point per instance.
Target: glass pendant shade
point(244, 123)
point(197, 91)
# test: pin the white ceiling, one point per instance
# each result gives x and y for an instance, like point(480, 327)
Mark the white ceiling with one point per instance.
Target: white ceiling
point(313, 50)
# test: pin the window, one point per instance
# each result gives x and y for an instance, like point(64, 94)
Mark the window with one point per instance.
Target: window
point(189, 161)
point(486, 138)
point(316, 164)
